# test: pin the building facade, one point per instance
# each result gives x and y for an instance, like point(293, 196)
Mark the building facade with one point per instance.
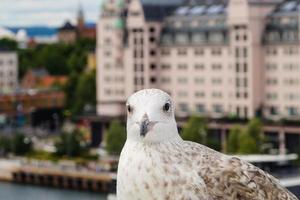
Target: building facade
point(218, 58)
point(8, 71)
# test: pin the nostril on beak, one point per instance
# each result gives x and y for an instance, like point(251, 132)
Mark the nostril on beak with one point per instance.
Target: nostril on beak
point(144, 128)
point(144, 125)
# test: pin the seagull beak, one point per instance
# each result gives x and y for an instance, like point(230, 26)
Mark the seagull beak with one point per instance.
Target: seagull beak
point(146, 125)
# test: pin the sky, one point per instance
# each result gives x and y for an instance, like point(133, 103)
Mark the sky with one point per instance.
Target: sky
point(53, 13)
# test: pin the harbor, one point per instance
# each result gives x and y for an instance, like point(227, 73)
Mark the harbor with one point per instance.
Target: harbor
point(57, 176)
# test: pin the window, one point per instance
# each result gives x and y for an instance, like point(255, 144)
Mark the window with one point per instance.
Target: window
point(199, 51)
point(151, 29)
point(199, 94)
point(245, 67)
point(165, 52)
point(292, 111)
point(107, 53)
point(153, 80)
point(107, 41)
point(165, 80)
point(237, 67)
point(274, 110)
point(271, 67)
point(216, 51)
point(245, 82)
point(181, 38)
point(237, 52)
point(152, 52)
point(217, 94)
point(199, 67)
point(183, 107)
point(152, 39)
point(182, 66)
point(216, 81)
point(216, 67)
point(165, 66)
point(217, 108)
point(182, 51)
point(199, 80)
point(198, 38)
point(200, 108)
point(152, 66)
point(167, 39)
point(245, 52)
point(271, 96)
point(182, 80)
point(216, 37)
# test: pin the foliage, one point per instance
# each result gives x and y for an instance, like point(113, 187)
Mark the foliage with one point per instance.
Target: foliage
point(20, 144)
point(8, 44)
point(115, 138)
point(70, 144)
point(195, 130)
point(58, 58)
point(5, 146)
point(41, 155)
point(69, 60)
point(254, 129)
point(76, 88)
point(248, 144)
point(233, 140)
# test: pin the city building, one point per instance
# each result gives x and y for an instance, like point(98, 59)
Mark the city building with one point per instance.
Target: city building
point(69, 33)
point(27, 101)
point(238, 58)
point(8, 70)
point(40, 78)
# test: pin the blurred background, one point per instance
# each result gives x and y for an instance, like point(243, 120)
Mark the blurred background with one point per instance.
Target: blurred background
point(67, 67)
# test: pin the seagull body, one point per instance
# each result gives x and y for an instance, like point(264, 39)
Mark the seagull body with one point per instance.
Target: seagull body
point(156, 164)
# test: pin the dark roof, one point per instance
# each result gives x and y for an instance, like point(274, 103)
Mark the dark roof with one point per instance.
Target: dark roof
point(157, 12)
point(67, 26)
point(162, 2)
point(287, 7)
point(39, 72)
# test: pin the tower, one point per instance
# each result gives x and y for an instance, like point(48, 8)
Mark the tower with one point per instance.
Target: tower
point(80, 17)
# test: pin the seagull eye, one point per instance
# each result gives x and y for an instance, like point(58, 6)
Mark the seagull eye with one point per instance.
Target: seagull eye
point(166, 107)
point(129, 108)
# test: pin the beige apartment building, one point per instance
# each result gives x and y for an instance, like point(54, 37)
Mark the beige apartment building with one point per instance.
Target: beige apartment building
point(215, 58)
point(8, 70)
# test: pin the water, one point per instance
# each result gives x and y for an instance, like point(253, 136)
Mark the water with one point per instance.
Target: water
point(10, 191)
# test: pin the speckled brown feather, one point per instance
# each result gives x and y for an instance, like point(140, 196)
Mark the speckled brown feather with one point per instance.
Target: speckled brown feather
point(231, 178)
point(189, 171)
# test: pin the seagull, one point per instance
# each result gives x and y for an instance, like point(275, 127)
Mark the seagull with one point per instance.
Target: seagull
point(157, 164)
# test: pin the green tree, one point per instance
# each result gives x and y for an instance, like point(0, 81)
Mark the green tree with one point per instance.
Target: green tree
point(247, 144)
point(5, 145)
point(8, 44)
point(195, 130)
point(233, 140)
point(20, 144)
point(115, 138)
point(255, 129)
point(70, 144)
point(84, 96)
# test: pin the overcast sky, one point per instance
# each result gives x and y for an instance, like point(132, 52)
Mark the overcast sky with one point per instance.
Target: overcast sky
point(45, 12)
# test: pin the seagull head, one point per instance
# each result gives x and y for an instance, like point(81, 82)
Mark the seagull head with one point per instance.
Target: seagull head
point(150, 116)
